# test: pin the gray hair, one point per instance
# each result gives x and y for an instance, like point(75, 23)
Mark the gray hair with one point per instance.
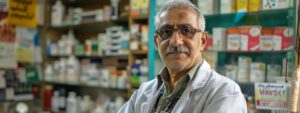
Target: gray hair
point(170, 4)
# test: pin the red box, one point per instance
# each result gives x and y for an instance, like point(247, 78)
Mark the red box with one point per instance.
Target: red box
point(283, 38)
point(250, 38)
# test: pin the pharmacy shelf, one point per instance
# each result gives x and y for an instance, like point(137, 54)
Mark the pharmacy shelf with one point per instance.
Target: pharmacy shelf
point(79, 3)
point(85, 85)
point(94, 25)
point(139, 52)
point(140, 19)
point(265, 18)
point(91, 56)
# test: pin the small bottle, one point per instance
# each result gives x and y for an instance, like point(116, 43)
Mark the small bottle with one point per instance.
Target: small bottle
point(71, 103)
point(57, 13)
point(62, 99)
point(55, 102)
point(49, 73)
point(72, 69)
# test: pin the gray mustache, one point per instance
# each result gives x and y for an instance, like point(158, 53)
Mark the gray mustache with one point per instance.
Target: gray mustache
point(178, 49)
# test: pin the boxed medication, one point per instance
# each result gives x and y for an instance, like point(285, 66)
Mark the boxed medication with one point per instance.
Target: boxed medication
point(273, 72)
point(231, 71)
point(233, 39)
point(207, 6)
point(257, 72)
point(250, 38)
point(254, 5)
point(219, 38)
point(283, 38)
point(242, 5)
point(227, 6)
point(275, 4)
point(266, 39)
point(243, 69)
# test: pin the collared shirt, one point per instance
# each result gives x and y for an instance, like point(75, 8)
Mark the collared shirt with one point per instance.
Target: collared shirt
point(168, 98)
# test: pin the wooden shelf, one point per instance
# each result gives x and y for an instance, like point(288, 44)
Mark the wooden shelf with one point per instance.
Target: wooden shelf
point(92, 56)
point(84, 85)
point(139, 52)
point(93, 26)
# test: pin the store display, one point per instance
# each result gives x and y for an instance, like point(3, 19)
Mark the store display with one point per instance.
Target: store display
point(275, 4)
point(257, 72)
point(244, 65)
point(273, 73)
point(227, 6)
point(57, 14)
point(242, 6)
point(249, 36)
point(207, 6)
point(283, 38)
point(219, 39)
point(254, 5)
point(266, 39)
point(233, 39)
point(231, 71)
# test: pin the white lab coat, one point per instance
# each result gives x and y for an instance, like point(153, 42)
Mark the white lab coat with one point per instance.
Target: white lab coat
point(209, 92)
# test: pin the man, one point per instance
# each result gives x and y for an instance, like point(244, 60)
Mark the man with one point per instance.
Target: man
point(186, 84)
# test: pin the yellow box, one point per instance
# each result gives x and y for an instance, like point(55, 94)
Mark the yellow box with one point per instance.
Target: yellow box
point(254, 5)
point(241, 5)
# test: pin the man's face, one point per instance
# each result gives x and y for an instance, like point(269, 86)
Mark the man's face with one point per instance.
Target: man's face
point(179, 51)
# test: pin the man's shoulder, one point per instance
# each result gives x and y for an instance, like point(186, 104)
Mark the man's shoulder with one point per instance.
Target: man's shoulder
point(148, 85)
point(223, 83)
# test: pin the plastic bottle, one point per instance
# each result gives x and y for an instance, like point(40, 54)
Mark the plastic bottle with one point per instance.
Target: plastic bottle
point(71, 103)
point(72, 69)
point(85, 105)
point(49, 73)
point(70, 42)
point(57, 13)
point(2, 81)
point(62, 99)
point(55, 102)
point(62, 70)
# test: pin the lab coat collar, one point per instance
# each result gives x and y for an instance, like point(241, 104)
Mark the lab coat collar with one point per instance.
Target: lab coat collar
point(198, 81)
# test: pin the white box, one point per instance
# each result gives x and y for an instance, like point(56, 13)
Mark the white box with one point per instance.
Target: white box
point(275, 4)
point(231, 71)
point(219, 38)
point(206, 6)
point(233, 39)
point(257, 72)
point(266, 39)
point(227, 6)
point(243, 69)
point(273, 72)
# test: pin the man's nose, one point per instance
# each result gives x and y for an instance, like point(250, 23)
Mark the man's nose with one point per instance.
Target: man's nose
point(176, 40)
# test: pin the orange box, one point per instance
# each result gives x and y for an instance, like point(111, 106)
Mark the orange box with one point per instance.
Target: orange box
point(250, 38)
point(283, 38)
point(233, 39)
point(266, 39)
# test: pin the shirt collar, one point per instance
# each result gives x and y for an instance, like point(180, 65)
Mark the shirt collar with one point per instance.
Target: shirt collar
point(164, 74)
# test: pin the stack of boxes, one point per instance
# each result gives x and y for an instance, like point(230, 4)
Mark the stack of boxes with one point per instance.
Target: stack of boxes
point(252, 38)
point(117, 41)
point(209, 7)
point(248, 71)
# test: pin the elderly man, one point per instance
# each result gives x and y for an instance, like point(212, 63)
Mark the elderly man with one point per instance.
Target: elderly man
point(186, 84)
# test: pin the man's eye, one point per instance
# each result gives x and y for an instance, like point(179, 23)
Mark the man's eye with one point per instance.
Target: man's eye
point(185, 30)
point(167, 31)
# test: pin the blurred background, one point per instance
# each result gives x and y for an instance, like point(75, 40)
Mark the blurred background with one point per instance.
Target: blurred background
point(89, 56)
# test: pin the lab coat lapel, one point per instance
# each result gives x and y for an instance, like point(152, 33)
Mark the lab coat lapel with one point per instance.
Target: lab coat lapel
point(199, 81)
point(152, 97)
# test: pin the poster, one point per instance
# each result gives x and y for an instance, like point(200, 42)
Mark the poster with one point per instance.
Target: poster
point(7, 45)
point(271, 96)
point(25, 44)
point(23, 13)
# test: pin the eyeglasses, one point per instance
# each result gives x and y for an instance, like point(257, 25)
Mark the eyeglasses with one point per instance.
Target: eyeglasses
point(185, 31)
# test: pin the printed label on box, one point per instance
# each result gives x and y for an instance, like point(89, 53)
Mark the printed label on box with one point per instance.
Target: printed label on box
point(283, 38)
point(250, 38)
point(266, 39)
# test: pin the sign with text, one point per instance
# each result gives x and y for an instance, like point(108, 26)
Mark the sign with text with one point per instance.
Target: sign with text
point(271, 96)
point(22, 12)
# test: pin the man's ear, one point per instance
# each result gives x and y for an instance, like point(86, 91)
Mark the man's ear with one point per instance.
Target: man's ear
point(156, 41)
point(203, 40)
